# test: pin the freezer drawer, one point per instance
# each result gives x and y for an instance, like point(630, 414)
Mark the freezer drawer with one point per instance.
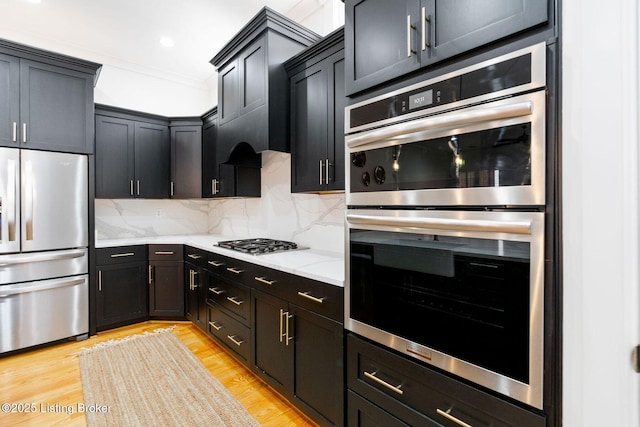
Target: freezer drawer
point(29, 267)
point(39, 312)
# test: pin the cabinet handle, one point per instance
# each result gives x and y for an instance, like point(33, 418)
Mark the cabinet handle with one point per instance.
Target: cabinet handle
point(195, 283)
point(262, 279)
point(138, 187)
point(194, 256)
point(450, 417)
point(326, 172)
point(215, 326)
point(125, 254)
point(383, 383)
point(99, 280)
point(24, 133)
point(164, 252)
point(281, 335)
point(216, 263)
point(171, 188)
point(234, 340)
point(235, 270)
point(150, 274)
point(311, 297)
point(214, 186)
point(409, 28)
point(190, 279)
point(15, 132)
point(321, 172)
point(287, 337)
point(235, 300)
point(131, 187)
point(424, 19)
point(217, 291)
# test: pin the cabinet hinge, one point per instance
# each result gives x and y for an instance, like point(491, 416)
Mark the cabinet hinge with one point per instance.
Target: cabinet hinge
point(635, 358)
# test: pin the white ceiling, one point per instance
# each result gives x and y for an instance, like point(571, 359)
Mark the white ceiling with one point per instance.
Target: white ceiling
point(126, 33)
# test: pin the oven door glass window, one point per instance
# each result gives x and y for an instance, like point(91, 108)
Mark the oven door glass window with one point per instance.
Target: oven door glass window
point(498, 157)
point(466, 297)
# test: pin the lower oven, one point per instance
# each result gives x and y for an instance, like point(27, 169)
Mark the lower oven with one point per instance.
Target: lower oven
point(459, 290)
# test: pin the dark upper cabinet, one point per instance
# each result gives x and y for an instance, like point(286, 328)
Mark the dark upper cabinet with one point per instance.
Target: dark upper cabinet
point(186, 158)
point(46, 100)
point(318, 99)
point(385, 40)
point(252, 83)
point(132, 154)
point(209, 159)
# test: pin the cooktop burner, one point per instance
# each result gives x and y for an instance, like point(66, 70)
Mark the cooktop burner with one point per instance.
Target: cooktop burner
point(258, 246)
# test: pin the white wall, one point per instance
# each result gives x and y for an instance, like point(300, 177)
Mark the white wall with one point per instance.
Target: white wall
point(600, 162)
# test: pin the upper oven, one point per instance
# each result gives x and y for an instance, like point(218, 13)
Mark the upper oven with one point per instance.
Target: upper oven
point(474, 137)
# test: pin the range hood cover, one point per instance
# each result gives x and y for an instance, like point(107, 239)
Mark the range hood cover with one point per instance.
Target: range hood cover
point(243, 154)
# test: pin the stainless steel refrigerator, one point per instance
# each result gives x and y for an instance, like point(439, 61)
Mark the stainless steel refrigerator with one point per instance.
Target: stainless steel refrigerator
point(44, 291)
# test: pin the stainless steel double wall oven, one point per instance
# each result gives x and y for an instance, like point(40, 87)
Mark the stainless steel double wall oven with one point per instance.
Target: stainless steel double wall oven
point(445, 222)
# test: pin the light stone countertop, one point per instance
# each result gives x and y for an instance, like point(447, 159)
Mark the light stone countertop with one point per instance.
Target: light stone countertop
point(327, 267)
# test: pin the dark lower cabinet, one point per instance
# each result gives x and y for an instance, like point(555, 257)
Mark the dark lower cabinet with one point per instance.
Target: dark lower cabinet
point(195, 278)
point(300, 354)
point(386, 388)
point(121, 296)
point(166, 281)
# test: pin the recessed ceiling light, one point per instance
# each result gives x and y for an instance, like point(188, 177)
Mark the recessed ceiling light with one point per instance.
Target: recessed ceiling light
point(33, 1)
point(167, 42)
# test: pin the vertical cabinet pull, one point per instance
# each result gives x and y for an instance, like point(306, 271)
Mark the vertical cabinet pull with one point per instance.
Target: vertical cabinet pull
point(321, 162)
point(424, 19)
point(15, 132)
point(99, 280)
point(131, 187)
point(281, 325)
point(285, 319)
point(150, 274)
point(138, 187)
point(409, 28)
point(171, 188)
point(24, 133)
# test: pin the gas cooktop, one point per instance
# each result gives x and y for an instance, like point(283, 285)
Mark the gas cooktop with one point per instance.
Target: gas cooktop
point(258, 246)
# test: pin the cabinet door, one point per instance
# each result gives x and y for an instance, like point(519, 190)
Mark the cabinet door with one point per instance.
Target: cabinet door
point(9, 100)
point(228, 92)
point(252, 77)
point(151, 160)
point(337, 103)
point(309, 109)
point(456, 26)
point(166, 289)
point(56, 108)
point(273, 353)
point(319, 365)
point(186, 162)
point(209, 160)
point(114, 158)
point(380, 41)
point(122, 294)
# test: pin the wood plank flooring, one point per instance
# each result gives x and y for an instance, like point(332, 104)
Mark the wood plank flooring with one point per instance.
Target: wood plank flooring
point(50, 376)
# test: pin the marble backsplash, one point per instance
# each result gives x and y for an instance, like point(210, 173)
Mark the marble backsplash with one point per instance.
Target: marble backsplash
point(311, 220)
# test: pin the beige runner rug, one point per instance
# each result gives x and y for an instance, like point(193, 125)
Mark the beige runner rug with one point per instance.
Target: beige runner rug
point(152, 379)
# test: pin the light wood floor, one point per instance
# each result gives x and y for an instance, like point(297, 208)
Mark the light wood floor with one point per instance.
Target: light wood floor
point(51, 376)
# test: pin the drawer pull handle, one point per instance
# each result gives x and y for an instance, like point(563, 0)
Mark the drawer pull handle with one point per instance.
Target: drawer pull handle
point(216, 291)
point(194, 256)
point(216, 263)
point(234, 340)
point(122, 255)
point(234, 270)
point(164, 253)
point(450, 417)
point(262, 279)
point(215, 326)
point(383, 383)
point(311, 297)
point(235, 300)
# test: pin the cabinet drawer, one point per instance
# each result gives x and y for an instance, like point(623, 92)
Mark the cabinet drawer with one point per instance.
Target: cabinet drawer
point(233, 297)
point(165, 253)
point(121, 254)
point(195, 256)
point(321, 298)
point(397, 384)
point(230, 332)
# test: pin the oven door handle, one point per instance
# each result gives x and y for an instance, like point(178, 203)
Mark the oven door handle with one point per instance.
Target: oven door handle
point(492, 226)
point(443, 121)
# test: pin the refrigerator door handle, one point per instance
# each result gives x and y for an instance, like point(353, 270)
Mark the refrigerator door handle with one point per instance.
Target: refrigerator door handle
point(12, 187)
point(28, 198)
point(9, 260)
point(11, 290)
